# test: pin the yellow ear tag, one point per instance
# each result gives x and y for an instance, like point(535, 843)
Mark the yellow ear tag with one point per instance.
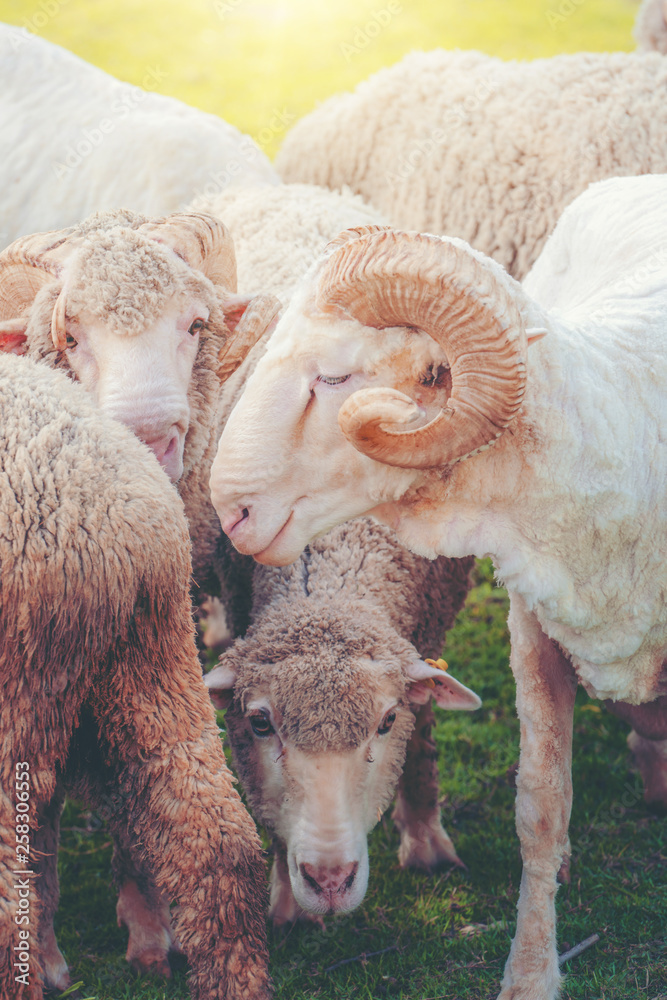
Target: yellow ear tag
point(440, 665)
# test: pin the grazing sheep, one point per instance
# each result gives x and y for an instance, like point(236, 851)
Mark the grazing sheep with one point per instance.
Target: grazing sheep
point(78, 141)
point(463, 144)
point(551, 458)
point(102, 691)
point(651, 26)
point(326, 688)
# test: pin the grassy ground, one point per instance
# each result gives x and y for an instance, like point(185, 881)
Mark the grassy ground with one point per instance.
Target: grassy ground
point(448, 934)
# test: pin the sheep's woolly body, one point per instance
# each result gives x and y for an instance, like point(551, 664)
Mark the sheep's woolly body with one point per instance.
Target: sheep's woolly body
point(110, 145)
point(651, 26)
point(463, 144)
point(280, 231)
point(92, 532)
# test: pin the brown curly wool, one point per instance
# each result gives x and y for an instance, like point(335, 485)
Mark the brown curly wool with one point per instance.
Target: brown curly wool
point(102, 690)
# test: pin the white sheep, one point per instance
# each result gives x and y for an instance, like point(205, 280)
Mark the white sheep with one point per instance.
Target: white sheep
point(651, 26)
point(76, 141)
point(551, 458)
point(329, 694)
point(463, 144)
point(102, 693)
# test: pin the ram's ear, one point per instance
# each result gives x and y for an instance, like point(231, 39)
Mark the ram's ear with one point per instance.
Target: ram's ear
point(220, 683)
point(428, 680)
point(13, 335)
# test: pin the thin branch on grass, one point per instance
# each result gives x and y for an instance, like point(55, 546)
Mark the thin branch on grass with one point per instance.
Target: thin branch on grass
point(578, 948)
point(361, 958)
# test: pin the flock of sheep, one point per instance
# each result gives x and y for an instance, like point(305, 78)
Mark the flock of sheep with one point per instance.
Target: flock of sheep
point(226, 352)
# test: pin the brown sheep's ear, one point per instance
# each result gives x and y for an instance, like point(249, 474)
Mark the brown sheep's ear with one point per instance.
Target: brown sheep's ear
point(220, 683)
point(13, 335)
point(428, 679)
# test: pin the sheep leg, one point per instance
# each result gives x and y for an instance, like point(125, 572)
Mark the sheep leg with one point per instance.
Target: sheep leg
point(546, 688)
point(648, 742)
point(144, 911)
point(172, 791)
point(425, 844)
point(45, 843)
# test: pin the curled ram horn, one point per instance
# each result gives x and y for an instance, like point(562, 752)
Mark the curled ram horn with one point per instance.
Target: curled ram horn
point(202, 240)
point(27, 265)
point(388, 278)
point(259, 315)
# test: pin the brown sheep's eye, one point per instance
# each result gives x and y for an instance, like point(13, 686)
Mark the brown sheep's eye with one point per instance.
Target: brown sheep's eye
point(197, 326)
point(70, 341)
point(387, 723)
point(261, 725)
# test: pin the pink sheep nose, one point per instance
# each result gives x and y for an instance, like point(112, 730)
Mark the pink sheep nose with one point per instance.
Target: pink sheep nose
point(330, 881)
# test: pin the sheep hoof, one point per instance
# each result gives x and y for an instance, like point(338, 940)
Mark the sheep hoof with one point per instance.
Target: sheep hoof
point(426, 847)
point(651, 760)
point(55, 972)
point(152, 962)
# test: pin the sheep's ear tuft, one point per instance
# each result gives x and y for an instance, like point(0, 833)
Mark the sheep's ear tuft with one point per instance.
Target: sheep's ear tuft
point(428, 680)
point(13, 335)
point(220, 683)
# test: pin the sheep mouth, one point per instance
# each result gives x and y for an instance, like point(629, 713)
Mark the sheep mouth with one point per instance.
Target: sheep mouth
point(265, 556)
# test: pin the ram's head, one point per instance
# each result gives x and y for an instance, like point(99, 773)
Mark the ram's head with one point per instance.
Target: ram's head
point(399, 354)
point(143, 313)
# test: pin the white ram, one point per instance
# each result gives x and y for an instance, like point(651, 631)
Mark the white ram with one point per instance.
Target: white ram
point(551, 458)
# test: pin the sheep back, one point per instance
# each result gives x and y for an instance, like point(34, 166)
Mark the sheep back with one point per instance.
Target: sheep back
point(463, 144)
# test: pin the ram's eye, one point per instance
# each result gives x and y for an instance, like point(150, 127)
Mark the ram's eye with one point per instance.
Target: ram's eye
point(197, 326)
point(332, 379)
point(70, 341)
point(261, 725)
point(387, 722)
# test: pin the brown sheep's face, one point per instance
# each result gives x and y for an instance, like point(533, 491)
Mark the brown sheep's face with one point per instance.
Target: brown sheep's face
point(319, 737)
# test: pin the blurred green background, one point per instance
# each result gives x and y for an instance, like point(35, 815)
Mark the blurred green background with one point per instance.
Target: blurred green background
point(247, 60)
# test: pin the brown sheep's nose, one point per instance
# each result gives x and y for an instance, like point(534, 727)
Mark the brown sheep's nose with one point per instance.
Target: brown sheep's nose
point(329, 881)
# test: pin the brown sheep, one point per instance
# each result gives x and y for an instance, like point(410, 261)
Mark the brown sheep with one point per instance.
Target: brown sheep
point(102, 691)
point(329, 713)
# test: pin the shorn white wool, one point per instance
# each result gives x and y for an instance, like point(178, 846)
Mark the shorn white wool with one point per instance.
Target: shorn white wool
point(74, 140)
point(569, 500)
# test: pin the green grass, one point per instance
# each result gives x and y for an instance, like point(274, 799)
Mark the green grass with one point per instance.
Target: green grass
point(618, 885)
